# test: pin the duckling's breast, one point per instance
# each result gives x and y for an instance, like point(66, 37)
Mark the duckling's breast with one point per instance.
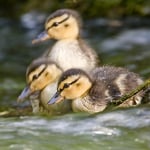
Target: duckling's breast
point(58, 108)
point(68, 54)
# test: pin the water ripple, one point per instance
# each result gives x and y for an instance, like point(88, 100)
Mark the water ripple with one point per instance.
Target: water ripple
point(127, 40)
point(106, 124)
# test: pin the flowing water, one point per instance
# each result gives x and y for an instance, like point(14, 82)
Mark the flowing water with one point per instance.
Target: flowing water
point(122, 43)
point(119, 130)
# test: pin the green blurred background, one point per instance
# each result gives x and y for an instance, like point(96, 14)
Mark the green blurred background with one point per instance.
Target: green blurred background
point(89, 8)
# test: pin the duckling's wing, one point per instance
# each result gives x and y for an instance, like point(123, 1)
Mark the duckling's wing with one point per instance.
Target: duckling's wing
point(89, 52)
point(98, 94)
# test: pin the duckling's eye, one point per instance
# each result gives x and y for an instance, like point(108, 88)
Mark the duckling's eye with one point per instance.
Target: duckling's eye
point(66, 85)
point(35, 77)
point(55, 24)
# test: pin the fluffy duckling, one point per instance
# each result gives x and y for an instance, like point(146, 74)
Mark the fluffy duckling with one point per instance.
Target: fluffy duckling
point(42, 76)
point(93, 93)
point(69, 51)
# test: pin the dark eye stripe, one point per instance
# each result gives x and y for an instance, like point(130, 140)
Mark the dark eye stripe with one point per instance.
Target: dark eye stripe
point(55, 24)
point(66, 85)
point(36, 76)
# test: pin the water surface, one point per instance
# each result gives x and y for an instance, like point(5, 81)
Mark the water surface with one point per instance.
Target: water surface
point(122, 129)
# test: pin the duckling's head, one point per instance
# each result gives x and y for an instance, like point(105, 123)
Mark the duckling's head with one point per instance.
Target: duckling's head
point(73, 83)
point(40, 73)
point(62, 24)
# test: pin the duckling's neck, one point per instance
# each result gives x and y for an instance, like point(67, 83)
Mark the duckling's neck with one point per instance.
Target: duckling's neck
point(58, 108)
point(70, 50)
point(66, 41)
point(47, 93)
point(85, 104)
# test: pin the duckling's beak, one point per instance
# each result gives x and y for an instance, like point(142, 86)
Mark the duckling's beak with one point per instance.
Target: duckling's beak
point(41, 37)
point(24, 94)
point(56, 98)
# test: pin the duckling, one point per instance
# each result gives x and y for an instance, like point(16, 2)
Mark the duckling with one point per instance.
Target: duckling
point(93, 93)
point(69, 50)
point(42, 76)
